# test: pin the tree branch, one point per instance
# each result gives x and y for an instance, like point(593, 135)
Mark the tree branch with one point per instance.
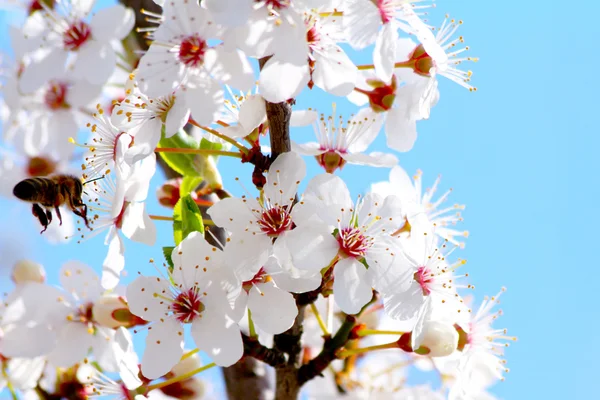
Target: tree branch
point(253, 348)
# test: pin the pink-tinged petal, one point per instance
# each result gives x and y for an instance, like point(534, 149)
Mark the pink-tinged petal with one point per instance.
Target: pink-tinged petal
point(81, 280)
point(164, 348)
point(288, 277)
point(303, 117)
point(137, 224)
point(146, 140)
point(112, 23)
point(72, 345)
point(205, 102)
point(195, 260)
point(369, 124)
point(361, 22)
point(334, 72)
point(404, 47)
point(375, 159)
point(95, 63)
point(308, 149)
point(178, 116)
point(231, 68)
point(283, 178)
point(114, 262)
point(232, 214)
point(26, 372)
point(159, 71)
point(350, 286)
point(216, 333)
point(39, 73)
point(221, 11)
point(82, 93)
point(390, 276)
point(253, 112)
point(404, 305)
point(282, 79)
point(145, 297)
point(384, 54)
point(403, 185)
point(247, 253)
point(401, 132)
point(270, 319)
point(312, 247)
point(27, 341)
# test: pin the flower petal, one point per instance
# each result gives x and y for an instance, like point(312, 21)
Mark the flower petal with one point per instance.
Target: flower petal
point(74, 341)
point(164, 348)
point(95, 63)
point(273, 320)
point(334, 72)
point(205, 101)
point(283, 79)
point(231, 67)
point(194, 261)
point(401, 132)
point(137, 224)
point(312, 247)
point(112, 23)
point(81, 280)
point(142, 300)
point(350, 286)
point(253, 112)
point(307, 149)
point(283, 178)
point(178, 116)
point(303, 117)
point(375, 159)
point(27, 341)
point(247, 253)
point(39, 73)
point(384, 55)
point(114, 262)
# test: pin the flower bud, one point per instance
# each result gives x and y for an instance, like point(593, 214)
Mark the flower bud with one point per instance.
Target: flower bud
point(186, 365)
point(382, 97)
point(168, 194)
point(437, 339)
point(28, 271)
point(112, 311)
point(189, 389)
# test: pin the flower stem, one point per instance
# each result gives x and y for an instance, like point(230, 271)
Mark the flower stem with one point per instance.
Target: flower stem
point(313, 307)
point(251, 325)
point(189, 354)
point(208, 152)
point(219, 135)
point(165, 218)
point(180, 378)
point(352, 352)
point(401, 64)
point(333, 13)
point(366, 332)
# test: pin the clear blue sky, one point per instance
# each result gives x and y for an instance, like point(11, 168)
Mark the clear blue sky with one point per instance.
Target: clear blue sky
point(521, 153)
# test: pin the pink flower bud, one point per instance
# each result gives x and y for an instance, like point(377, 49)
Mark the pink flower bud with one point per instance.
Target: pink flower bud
point(28, 271)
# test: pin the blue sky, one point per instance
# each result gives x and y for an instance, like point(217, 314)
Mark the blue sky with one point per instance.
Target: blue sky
point(521, 153)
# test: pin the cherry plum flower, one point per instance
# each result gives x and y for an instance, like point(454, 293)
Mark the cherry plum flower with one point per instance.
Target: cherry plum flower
point(191, 295)
point(180, 59)
point(339, 143)
point(65, 33)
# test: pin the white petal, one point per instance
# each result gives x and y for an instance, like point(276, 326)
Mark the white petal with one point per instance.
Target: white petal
point(83, 93)
point(178, 116)
point(283, 178)
point(138, 180)
point(112, 23)
point(334, 72)
point(307, 149)
point(401, 132)
point(95, 63)
point(217, 334)
point(273, 310)
point(247, 253)
point(61, 126)
point(286, 276)
point(312, 247)
point(29, 342)
point(367, 125)
point(206, 102)
point(303, 117)
point(164, 348)
point(195, 260)
point(375, 159)
point(361, 22)
point(326, 197)
point(350, 286)
point(37, 74)
point(221, 11)
point(232, 214)
point(114, 262)
point(142, 301)
point(253, 112)
point(404, 305)
point(384, 55)
point(146, 140)
point(392, 277)
point(74, 341)
point(281, 80)
point(25, 372)
point(78, 278)
point(137, 224)
point(159, 71)
point(231, 68)
point(403, 185)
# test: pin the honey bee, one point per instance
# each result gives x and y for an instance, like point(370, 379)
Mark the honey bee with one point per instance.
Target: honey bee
point(53, 192)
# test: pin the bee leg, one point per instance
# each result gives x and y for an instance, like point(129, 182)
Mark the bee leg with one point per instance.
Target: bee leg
point(41, 215)
point(58, 214)
point(83, 214)
point(49, 216)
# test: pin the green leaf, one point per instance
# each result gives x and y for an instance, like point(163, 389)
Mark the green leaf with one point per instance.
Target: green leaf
point(208, 145)
point(167, 251)
point(189, 184)
point(186, 219)
point(181, 163)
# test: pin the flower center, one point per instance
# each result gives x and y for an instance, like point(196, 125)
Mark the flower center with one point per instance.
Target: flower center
point(424, 278)
point(260, 277)
point(187, 306)
point(36, 5)
point(313, 36)
point(76, 35)
point(420, 61)
point(331, 161)
point(39, 166)
point(382, 97)
point(275, 221)
point(277, 4)
point(191, 51)
point(56, 95)
point(353, 242)
point(84, 314)
point(386, 10)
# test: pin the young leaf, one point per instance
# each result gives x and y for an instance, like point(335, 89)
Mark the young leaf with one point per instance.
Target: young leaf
point(181, 163)
point(167, 250)
point(186, 219)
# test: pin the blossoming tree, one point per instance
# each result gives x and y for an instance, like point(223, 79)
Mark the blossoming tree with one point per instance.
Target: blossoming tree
point(293, 292)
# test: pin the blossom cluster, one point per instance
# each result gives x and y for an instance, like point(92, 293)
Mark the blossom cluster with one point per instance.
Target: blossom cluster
point(242, 270)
